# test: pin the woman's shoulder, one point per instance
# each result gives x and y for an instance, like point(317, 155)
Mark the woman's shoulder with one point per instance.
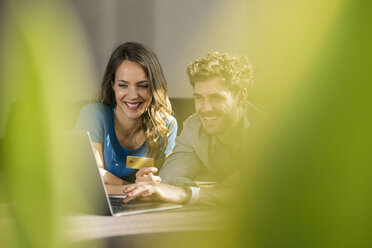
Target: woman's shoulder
point(170, 119)
point(94, 113)
point(170, 122)
point(95, 108)
point(94, 119)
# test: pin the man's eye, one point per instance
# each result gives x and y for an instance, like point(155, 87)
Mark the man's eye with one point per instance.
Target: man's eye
point(218, 98)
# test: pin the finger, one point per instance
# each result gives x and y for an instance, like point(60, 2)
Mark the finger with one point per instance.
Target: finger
point(149, 178)
point(142, 179)
point(155, 179)
point(139, 191)
point(139, 174)
point(146, 193)
point(128, 198)
point(138, 195)
point(130, 187)
point(145, 199)
point(135, 193)
point(145, 178)
point(146, 170)
point(150, 170)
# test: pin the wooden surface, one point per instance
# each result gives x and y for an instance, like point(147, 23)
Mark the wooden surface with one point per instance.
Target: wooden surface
point(189, 226)
point(186, 219)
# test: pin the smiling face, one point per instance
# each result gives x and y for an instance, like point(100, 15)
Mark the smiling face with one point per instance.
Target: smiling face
point(216, 106)
point(132, 91)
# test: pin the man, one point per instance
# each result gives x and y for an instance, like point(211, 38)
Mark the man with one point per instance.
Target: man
point(212, 140)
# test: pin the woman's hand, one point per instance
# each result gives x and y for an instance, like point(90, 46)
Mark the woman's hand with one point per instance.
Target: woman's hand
point(146, 174)
point(111, 179)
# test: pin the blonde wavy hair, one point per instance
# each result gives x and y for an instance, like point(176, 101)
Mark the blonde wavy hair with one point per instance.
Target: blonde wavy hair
point(159, 110)
point(235, 71)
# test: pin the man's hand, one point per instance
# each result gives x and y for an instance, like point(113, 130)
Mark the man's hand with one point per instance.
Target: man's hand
point(146, 174)
point(156, 191)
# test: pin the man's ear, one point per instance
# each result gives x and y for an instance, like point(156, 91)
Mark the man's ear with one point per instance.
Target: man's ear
point(242, 97)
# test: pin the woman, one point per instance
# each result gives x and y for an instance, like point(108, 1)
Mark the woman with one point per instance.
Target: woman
point(132, 116)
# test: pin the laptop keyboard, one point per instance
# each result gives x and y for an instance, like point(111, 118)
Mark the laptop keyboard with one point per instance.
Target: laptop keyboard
point(118, 206)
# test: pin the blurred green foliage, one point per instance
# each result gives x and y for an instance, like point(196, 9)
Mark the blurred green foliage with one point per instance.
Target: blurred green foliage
point(311, 185)
point(308, 167)
point(42, 66)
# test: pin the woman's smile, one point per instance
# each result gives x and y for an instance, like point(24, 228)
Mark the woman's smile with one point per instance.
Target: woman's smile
point(133, 105)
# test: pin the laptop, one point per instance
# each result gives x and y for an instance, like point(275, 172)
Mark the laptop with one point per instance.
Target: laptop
point(84, 188)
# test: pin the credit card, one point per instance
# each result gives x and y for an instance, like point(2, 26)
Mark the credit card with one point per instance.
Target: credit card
point(139, 162)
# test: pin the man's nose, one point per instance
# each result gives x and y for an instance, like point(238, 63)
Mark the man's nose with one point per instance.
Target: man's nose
point(206, 106)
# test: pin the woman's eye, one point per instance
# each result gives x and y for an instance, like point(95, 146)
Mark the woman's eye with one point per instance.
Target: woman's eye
point(145, 86)
point(123, 85)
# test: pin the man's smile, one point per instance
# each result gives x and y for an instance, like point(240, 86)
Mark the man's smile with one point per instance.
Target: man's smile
point(210, 118)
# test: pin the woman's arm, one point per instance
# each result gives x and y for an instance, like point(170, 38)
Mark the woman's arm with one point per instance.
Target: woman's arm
point(108, 178)
point(149, 174)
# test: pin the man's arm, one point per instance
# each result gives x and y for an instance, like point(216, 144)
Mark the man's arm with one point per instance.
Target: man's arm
point(157, 191)
point(177, 173)
point(183, 164)
point(224, 193)
point(179, 195)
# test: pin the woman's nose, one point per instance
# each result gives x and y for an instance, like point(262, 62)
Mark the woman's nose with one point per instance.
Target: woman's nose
point(132, 93)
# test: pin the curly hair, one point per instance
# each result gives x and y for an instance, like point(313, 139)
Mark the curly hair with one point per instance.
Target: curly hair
point(159, 110)
point(235, 71)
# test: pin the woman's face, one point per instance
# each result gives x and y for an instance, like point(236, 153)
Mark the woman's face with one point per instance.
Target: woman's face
point(132, 91)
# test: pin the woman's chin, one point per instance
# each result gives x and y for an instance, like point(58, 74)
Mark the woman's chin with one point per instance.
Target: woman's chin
point(133, 114)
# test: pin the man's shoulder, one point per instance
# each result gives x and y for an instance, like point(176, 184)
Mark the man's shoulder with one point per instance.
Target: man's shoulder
point(192, 121)
point(191, 129)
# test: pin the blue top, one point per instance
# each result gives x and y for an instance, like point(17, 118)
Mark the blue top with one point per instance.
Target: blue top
point(98, 120)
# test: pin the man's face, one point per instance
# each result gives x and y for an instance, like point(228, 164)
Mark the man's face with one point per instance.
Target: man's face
point(216, 106)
